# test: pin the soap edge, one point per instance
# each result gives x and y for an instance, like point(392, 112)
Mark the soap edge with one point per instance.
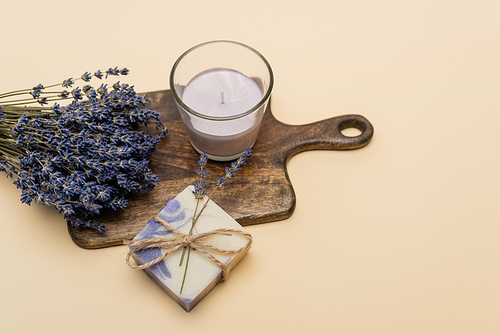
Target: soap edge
point(204, 292)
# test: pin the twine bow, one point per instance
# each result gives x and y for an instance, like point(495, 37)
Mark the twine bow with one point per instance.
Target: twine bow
point(195, 242)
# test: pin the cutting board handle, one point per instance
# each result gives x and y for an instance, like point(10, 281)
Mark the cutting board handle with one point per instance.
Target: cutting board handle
point(327, 134)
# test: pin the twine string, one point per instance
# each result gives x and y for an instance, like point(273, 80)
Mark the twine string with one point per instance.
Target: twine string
point(195, 242)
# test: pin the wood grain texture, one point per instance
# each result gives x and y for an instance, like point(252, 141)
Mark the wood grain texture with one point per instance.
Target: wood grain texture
point(268, 192)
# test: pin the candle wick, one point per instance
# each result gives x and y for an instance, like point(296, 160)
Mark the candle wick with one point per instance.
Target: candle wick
point(222, 96)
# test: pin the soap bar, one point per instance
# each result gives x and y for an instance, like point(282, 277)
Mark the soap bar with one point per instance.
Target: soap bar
point(202, 274)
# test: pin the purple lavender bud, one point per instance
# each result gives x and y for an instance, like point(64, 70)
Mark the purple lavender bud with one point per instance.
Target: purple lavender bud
point(98, 74)
point(68, 83)
point(112, 71)
point(36, 91)
point(86, 76)
point(77, 94)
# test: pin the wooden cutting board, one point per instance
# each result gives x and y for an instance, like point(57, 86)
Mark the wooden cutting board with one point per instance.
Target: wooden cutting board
point(260, 193)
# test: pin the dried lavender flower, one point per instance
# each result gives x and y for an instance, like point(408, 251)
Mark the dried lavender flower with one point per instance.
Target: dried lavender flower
point(82, 157)
point(199, 185)
point(98, 74)
point(112, 71)
point(68, 83)
point(36, 91)
point(86, 76)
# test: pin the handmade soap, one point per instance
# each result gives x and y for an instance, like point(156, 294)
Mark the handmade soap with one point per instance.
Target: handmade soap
point(202, 273)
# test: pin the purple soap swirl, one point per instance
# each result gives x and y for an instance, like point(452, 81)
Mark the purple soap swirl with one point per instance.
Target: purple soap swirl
point(173, 205)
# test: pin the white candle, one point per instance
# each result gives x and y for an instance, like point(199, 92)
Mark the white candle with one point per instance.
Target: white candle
point(222, 92)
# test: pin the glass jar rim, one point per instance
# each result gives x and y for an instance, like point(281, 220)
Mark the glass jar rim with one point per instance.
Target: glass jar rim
point(178, 100)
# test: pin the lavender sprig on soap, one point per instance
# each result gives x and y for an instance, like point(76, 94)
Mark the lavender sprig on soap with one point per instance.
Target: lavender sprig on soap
point(199, 193)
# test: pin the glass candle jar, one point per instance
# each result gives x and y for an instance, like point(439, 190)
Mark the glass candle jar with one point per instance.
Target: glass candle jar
point(221, 89)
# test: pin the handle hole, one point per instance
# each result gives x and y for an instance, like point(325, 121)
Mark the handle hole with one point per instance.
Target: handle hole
point(352, 127)
point(351, 132)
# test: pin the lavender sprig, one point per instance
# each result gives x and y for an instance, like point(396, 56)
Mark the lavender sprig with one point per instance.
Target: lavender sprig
point(38, 90)
point(200, 189)
point(199, 192)
point(199, 185)
point(81, 157)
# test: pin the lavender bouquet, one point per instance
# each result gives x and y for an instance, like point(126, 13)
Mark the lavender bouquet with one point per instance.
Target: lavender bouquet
point(84, 155)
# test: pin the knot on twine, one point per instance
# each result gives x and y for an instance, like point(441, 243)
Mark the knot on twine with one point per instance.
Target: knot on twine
point(195, 242)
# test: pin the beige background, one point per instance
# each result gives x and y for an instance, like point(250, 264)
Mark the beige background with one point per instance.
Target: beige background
point(399, 237)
